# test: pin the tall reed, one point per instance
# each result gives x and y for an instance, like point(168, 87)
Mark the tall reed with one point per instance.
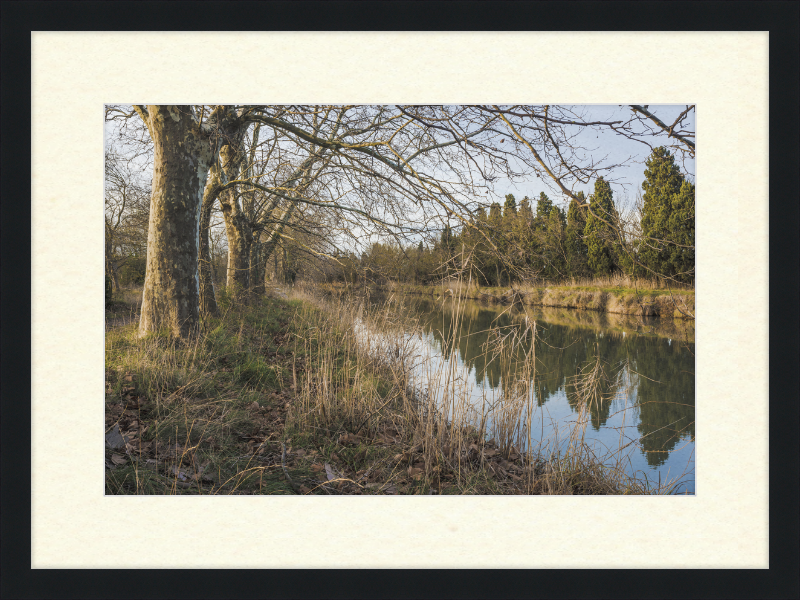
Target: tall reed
point(359, 345)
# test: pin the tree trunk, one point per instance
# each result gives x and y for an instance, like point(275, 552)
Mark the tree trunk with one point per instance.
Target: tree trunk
point(258, 266)
point(111, 269)
point(208, 298)
point(275, 236)
point(115, 278)
point(183, 155)
point(237, 226)
point(240, 238)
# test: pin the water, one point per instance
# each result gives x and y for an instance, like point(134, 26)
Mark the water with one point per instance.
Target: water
point(646, 403)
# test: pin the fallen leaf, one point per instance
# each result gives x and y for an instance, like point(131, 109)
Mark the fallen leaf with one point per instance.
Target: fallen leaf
point(118, 459)
point(178, 473)
point(330, 472)
point(415, 472)
point(114, 438)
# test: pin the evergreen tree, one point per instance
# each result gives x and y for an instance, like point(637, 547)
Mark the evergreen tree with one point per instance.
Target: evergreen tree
point(523, 233)
point(446, 240)
point(681, 228)
point(543, 207)
point(525, 211)
point(493, 263)
point(599, 236)
point(554, 246)
point(577, 251)
point(476, 245)
point(510, 206)
point(667, 218)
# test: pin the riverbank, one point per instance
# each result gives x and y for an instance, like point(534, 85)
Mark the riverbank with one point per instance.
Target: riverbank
point(614, 299)
point(284, 397)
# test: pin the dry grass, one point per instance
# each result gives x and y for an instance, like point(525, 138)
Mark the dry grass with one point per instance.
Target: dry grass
point(362, 384)
point(618, 294)
point(316, 396)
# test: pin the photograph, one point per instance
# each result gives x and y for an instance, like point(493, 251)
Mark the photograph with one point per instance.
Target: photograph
point(399, 299)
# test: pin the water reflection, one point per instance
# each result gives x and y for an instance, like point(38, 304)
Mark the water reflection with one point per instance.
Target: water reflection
point(645, 392)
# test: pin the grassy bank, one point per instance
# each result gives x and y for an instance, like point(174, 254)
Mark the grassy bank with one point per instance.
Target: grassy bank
point(303, 396)
point(620, 295)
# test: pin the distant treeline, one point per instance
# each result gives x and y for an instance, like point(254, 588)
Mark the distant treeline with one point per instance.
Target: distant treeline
point(540, 241)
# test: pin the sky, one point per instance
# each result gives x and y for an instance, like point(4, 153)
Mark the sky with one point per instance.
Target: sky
point(616, 147)
point(625, 180)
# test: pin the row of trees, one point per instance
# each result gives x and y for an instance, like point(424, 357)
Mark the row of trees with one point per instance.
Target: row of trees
point(545, 242)
point(307, 184)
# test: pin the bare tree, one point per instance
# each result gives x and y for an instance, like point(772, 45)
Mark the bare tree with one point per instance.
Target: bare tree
point(318, 177)
point(127, 204)
point(186, 143)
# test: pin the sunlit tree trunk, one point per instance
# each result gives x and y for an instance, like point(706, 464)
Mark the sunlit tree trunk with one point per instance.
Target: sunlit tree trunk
point(237, 225)
point(183, 154)
point(208, 298)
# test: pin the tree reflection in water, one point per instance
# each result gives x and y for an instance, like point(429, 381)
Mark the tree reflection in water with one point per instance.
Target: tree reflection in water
point(648, 364)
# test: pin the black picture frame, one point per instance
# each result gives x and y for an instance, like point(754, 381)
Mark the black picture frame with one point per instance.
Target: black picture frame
point(781, 19)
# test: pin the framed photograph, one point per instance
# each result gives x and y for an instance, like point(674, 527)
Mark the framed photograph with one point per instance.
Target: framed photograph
point(411, 273)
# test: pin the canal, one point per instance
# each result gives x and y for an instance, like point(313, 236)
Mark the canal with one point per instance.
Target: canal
point(623, 385)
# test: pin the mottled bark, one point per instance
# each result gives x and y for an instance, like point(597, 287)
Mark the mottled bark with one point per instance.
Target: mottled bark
point(208, 298)
point(237, 225)
point(183, 153)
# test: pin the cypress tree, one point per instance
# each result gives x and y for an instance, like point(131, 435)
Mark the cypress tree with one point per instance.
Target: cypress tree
point(480, 253)
point(667, 217)
point(523, 232)
point(681, 231)
point(525, 211)
point(510, 206)
point(554, 246)
point(599, 236)
point(577, 251)
point(543, 207)
point(496, 235)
